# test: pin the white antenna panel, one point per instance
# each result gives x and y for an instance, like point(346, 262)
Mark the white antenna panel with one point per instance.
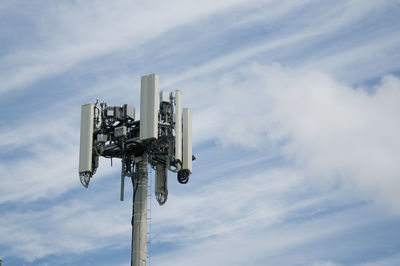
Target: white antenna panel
point(149, 107)
point(187, 139)
point(86, 141)
point(178, 125)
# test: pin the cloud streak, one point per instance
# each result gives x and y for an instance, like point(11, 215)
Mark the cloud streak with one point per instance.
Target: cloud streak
point(329, 128)
point(295, 115)
point(90, 31)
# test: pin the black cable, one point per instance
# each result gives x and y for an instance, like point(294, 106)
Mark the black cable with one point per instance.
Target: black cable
point(134, 185)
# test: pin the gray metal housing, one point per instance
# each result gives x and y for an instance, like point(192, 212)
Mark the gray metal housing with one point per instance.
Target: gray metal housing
point(86, 139)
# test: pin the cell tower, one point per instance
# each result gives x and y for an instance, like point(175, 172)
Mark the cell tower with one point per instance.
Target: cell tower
point(162, 138)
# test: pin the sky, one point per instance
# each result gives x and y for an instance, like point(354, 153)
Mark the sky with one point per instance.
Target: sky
point(295, 105)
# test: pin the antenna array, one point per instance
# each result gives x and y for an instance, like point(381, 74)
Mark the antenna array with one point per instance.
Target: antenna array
point(162, 138)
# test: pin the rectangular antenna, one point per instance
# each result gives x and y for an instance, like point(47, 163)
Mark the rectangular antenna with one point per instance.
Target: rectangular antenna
point(187, 139)
point(149, 107)
point(86, 141)
point(178, 125)
point(161, 183)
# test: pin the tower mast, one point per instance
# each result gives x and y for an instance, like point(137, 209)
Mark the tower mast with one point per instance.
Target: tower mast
point(162, 138)
point(139, 214)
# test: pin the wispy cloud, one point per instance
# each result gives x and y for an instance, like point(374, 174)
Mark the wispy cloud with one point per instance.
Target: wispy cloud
point(323, 125)
point(90, 30)
point(295, 147)
point(73, 227)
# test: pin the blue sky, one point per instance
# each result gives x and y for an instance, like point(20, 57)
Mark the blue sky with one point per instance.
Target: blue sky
point(295, 127)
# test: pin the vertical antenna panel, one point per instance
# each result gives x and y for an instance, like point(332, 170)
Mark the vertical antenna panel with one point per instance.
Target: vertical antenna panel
point(149, 107)
point(187, 139)
point(178, 125)
point(86, 141)
point(161, 185)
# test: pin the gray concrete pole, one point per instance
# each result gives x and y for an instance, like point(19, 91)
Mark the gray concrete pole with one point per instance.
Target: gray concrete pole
point(139, 212)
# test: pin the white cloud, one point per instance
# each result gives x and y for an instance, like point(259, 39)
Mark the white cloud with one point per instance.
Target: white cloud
point(257, 240)
point(379, 49)
point(360, 63)
point(44, 150)
point(89, 30)
point(385, 261)
point(74, 226)
point(326, 131)
point(328, 128)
